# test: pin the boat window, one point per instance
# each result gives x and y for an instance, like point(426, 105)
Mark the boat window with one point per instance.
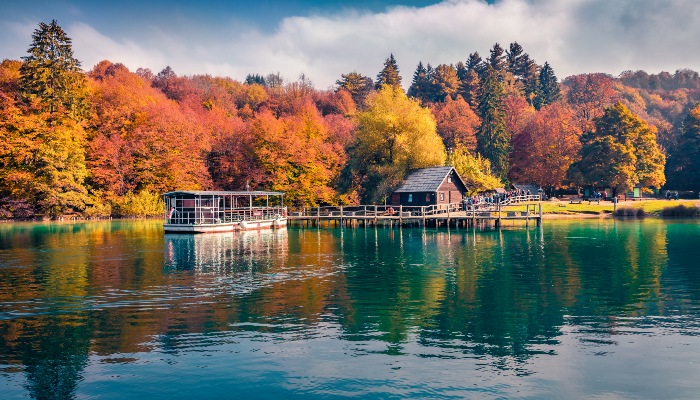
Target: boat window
point(410, 198)
point(185, 203)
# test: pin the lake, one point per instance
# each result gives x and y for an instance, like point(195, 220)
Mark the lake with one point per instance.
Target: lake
point(596, 308)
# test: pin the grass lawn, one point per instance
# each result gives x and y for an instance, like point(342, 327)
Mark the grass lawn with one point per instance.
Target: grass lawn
point(651, 207)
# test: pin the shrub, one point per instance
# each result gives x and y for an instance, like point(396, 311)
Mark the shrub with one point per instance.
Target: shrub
point(630, 212)
point(143, 204)
point(681, 211)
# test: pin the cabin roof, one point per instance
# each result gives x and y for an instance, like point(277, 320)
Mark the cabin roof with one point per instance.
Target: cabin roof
point(221, 193)
point(425, 180)
point(525, 187)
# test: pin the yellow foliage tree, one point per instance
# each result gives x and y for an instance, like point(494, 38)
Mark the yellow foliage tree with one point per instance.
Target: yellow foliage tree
point(395, 135)
point(475, 171)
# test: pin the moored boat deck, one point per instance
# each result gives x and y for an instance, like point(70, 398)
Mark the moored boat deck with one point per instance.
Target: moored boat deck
point(210, 211)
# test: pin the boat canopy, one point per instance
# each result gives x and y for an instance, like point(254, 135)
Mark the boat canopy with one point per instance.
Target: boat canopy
point(222, 193)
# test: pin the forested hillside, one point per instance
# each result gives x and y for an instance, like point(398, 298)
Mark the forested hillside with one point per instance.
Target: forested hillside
point(109, 141)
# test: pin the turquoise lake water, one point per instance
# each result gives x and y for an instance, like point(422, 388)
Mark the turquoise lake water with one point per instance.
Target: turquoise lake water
point(574, 309)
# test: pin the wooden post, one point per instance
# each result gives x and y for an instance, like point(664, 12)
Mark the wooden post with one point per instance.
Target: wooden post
point(341, 216)
point(539, 220)
point(375, 215)
point(400, 214)
point(498, 207)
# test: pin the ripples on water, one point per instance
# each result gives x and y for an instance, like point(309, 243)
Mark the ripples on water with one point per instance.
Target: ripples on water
point(574, 309)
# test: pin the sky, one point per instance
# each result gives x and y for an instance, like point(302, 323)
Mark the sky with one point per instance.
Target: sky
point(324, 39)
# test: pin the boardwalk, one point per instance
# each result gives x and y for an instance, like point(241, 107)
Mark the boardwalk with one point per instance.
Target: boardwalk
point(519, 208)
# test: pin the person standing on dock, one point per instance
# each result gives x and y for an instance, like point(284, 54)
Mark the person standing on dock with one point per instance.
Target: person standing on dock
point(171, 214)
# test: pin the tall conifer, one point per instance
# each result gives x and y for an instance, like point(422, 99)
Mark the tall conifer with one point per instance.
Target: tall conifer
point(493, 139)
point(389, 75)
point(50, 76)
point(549, 87)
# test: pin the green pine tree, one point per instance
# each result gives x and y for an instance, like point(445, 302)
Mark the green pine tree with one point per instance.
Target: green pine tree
point(684, 161)
point(493, 139)
point(389, 75)
point(497, 58)
point(469, 88)
point(51, 78)
point(475, 63)
point(358, 85)
point(419, 85)
point(549, 87)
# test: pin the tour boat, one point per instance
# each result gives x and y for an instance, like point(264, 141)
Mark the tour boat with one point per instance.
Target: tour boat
point(207, 211)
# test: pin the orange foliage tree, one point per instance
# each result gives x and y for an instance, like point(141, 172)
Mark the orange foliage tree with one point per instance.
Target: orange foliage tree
point(296, 156)
point(456, 123)
point(140, 140)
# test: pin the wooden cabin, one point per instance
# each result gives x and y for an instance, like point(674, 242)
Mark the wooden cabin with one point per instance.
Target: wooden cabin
point(430, 186)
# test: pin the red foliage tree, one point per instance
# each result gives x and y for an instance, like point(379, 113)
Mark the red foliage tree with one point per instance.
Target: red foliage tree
point(546, 147)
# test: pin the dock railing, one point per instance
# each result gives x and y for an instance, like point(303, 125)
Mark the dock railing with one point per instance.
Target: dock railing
point(400, 212)
point(206, 216)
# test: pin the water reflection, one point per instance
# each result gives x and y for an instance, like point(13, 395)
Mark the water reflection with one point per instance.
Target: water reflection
point(75, 301)
point(223, 253)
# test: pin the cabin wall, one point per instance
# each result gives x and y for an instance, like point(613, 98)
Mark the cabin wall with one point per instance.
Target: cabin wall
point(418, 199)
point(450, 192)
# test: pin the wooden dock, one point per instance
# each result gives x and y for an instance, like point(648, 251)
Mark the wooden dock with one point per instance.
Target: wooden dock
point(526, 208)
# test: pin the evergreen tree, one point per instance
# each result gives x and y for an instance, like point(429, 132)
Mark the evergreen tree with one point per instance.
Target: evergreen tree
point(497, 60)
point(469, 88)
point(51, 76)
point(531, 81)
point(419, 85)
point(475, 63)
point(389, 75)
point(358, 85)
point(514, 59)
point(462, 71)
point(493, 139)
point(684, 161)
point(255, 79)
point(549, 87)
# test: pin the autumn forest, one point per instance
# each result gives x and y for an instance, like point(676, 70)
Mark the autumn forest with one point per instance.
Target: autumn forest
point(109, 141)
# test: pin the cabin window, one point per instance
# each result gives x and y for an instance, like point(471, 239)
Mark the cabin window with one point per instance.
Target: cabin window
point(427, 198)
point(410, 198)
point(442, 196)
point(449, 179)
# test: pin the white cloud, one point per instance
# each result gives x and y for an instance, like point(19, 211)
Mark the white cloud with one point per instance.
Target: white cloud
point(91, 47)
point(574, 36)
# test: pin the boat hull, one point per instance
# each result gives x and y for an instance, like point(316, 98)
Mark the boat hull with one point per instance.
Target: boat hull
point(226, 227)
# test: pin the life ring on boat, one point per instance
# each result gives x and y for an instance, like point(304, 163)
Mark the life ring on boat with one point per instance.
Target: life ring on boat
point(390, 211)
